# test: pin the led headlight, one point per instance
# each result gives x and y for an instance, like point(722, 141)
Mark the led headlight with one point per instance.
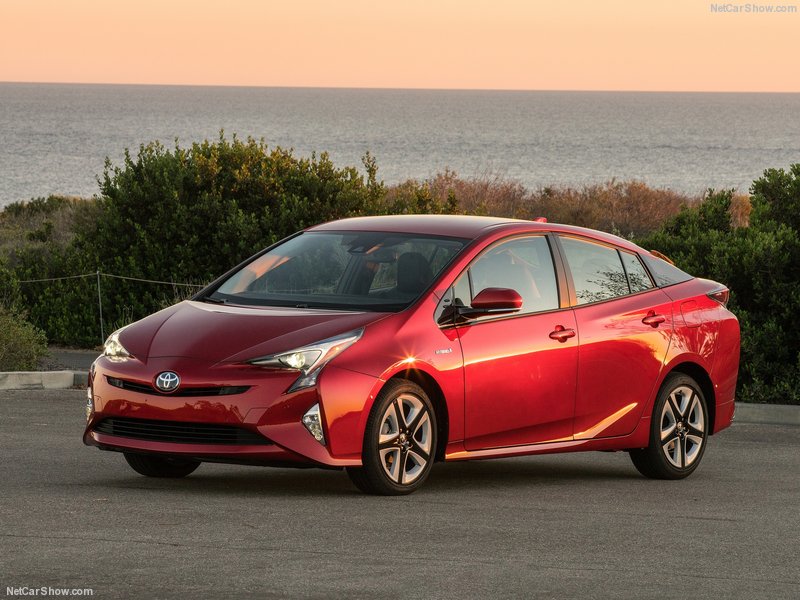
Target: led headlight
point(310, 359)
point(113, 348)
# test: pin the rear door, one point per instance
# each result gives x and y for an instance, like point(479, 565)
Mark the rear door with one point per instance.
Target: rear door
point(625, 327)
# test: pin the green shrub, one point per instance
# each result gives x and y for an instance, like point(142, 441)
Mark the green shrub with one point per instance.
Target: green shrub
point(184, 215)
point(9, 287)
point(758, 257)
point(21, 344)
point(37, 222)
point(189, 214)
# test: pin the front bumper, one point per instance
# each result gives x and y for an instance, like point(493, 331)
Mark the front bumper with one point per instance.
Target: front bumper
point(263, 409)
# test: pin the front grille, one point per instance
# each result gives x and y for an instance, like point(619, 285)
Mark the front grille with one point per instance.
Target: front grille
point(144, 388)
point(179, 432)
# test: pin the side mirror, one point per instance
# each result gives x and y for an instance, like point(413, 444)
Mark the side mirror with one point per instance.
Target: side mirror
point(489, 301)
point(494, 300)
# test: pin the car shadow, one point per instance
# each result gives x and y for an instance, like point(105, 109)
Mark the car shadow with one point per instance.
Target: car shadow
point(527, 473)
point(242, 482)
point(266, 481)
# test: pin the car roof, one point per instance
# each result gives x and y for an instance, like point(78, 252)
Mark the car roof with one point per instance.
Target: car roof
point(462, 226)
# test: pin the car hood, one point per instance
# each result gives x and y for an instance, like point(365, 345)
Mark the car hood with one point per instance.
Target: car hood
point(217, 333)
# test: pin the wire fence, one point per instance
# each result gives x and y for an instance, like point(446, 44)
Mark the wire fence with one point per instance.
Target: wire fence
point(98, 275)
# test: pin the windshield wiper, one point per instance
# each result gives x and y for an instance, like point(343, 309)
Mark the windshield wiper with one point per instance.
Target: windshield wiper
point(214, 300)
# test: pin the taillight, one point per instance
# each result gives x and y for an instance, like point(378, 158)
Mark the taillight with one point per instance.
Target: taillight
point(721, 296)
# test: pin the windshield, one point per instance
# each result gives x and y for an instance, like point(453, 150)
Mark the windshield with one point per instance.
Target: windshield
point(342, 270)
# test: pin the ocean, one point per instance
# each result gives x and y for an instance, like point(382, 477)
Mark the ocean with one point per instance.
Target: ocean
point(54, 138)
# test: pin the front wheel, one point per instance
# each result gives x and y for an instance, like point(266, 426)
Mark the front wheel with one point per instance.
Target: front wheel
point(678, 432)
point(399, 441)
point(161, 466)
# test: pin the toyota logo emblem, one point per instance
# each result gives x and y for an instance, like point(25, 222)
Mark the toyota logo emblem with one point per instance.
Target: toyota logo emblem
point(168, 381)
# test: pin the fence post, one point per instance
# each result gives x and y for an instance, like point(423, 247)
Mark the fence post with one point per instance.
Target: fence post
point(100, 306)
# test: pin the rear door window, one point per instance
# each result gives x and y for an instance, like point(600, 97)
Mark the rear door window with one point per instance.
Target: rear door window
point(638, 279)
point(596, 269)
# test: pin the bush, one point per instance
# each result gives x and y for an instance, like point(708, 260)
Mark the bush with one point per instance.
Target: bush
point(40, 221)
point(184, 215)
point(189, 214)
point(628, 208)
point(21, 344)
point(9, 287)
point(757, 254)
point(192, 213)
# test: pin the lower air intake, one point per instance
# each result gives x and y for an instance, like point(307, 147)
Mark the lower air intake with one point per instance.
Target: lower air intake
point(178, 432)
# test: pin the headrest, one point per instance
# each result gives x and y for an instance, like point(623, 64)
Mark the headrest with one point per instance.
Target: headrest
point(413, 273)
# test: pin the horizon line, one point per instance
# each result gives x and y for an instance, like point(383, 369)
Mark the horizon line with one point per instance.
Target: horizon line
point(393, 88)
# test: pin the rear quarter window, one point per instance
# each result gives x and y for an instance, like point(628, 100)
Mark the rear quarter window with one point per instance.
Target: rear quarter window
point(663, 273)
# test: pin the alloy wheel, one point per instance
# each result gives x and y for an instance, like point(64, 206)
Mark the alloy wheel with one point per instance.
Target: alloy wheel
point(405, 438)
point(682, 427)
point(679, 430)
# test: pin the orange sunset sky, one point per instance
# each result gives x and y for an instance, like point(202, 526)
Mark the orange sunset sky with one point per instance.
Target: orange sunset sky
point(673, 45)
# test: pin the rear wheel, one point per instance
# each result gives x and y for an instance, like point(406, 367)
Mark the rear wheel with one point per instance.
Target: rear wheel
point(678, 432)
point(399, 442)
point(161, 466)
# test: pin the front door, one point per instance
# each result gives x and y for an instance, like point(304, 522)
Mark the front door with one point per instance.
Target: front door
point(519, 381)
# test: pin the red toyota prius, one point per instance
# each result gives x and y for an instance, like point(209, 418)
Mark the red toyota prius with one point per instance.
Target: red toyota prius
point(383, 344)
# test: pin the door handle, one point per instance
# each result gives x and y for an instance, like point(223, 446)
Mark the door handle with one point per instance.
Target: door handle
point(653, 319)
point(562, 334)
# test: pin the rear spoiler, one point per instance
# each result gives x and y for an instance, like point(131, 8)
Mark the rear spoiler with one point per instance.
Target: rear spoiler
point(662, 256)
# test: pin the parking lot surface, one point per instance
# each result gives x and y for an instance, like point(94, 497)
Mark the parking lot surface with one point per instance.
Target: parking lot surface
point(558, 526)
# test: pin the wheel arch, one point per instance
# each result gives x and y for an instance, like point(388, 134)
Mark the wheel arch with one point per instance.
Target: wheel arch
point(436, 396)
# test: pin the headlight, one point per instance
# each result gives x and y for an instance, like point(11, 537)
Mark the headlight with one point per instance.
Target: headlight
point(113, 348)
point(310, 359)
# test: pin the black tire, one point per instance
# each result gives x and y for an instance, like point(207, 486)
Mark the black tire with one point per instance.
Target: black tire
point(392, 467)
point(678, 431)
point(150, 465)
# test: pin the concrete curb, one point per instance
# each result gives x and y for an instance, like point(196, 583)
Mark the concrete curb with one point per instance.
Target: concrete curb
point(773, 414)
point(42, 380)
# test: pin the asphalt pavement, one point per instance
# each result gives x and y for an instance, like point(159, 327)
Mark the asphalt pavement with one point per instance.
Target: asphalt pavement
point(582, 525)
point(71, 359)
